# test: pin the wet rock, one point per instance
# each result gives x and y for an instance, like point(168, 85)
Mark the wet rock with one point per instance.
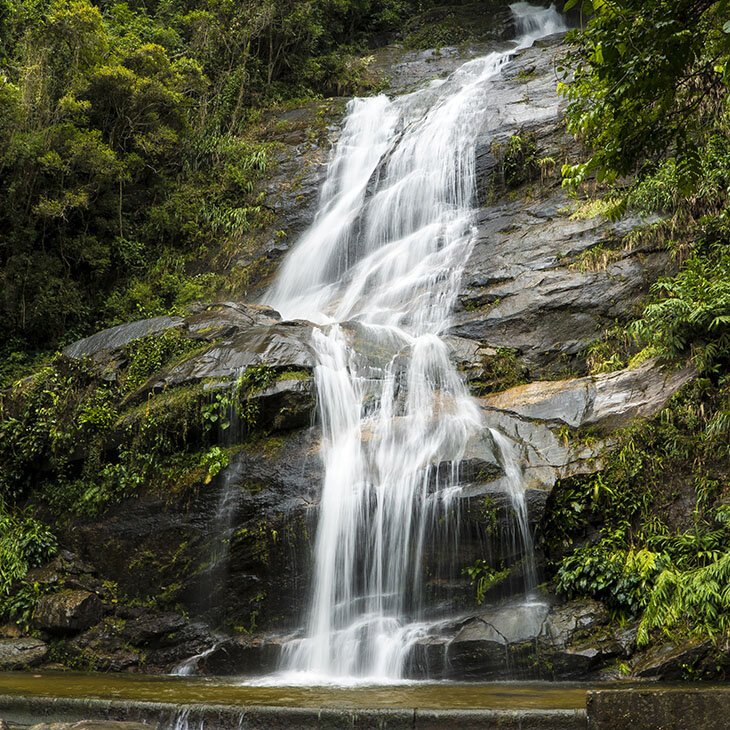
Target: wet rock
point(242, 655)
point(532, 416)
point(608, 401)
point(142, 631)
point(225, 319)
point(280, 346)
point(671, 661)
point(117, 337)
point(525, 285)
point(151, 642)
point(67, 611)
point(23, 652)
point(535, 639)
point(575, 620)
point(287, 404)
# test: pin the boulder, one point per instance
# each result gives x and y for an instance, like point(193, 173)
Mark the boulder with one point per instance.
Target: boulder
point(671, 661)
point(528, 639)
point(607, 401)
point(117, 337)
point(535, 416)
point(21, 652)
point(282, 346)
point(242, 655)
point(150, 641)
point(68, 611)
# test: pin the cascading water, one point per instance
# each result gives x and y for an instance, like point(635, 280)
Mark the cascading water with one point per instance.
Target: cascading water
point(378, 271)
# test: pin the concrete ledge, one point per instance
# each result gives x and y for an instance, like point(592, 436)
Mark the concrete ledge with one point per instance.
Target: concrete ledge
point(671, 708)
point(169, 716)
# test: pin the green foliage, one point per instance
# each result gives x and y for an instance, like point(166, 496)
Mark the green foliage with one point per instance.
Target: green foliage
point(673, 578)
point(644, 79)
point(129, 157)
point(79, 442)
point(499, 372)
point(660, 119)
point(237, 402)
point(214, 460)
point(520, 163)
point(690, 314)
point(25, 543)
point(148, 355)
point(620, 578)
point(695, 599)
point(484, 578)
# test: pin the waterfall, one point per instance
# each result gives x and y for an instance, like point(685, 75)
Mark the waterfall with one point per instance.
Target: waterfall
point(378, 272)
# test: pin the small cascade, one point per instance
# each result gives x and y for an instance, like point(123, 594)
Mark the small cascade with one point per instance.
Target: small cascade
point(189, 666)
point(514, 479)
point(231, 431)
point(378, 272)
point(198, 717)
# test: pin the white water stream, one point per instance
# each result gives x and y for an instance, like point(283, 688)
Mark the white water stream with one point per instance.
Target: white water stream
point(378, 271)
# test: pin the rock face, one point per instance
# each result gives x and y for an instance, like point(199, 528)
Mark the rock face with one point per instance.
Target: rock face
point(534, 414)
point(536, 639)
point(670, 661)
point(67, 611)
point(117, 337)
point(21, 653)
point(531, 283)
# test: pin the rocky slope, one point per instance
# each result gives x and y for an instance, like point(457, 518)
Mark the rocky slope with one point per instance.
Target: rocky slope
point(541, 283)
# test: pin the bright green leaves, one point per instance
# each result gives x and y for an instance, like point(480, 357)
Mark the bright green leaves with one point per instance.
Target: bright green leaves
point(691, 313)
point(643, 74)
point(617, 576)
point(25, 543)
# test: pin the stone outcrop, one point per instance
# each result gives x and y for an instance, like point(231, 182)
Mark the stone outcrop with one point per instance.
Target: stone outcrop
point(117, 337)
point(536, 639)
point(67, 611)
point(546, 417)
point(530, 283)
point(21, 653)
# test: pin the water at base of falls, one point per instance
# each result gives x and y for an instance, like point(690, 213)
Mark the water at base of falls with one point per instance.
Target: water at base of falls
point(378, 272)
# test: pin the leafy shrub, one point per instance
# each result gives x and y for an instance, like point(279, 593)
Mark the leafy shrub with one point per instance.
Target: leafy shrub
point(620, 578)
point(25, 543)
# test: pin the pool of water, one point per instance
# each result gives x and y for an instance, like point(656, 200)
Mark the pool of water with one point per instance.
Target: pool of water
point(186, 690)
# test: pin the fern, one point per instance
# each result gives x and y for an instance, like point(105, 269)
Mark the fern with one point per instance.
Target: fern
point(699, 599)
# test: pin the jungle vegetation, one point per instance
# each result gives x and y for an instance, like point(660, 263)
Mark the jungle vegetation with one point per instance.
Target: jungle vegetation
point(647, 84)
